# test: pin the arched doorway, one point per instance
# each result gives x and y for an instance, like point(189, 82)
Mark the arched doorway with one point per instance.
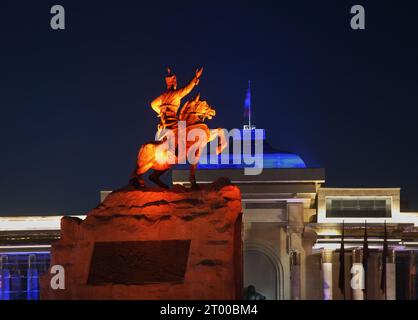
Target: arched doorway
point(262, 272)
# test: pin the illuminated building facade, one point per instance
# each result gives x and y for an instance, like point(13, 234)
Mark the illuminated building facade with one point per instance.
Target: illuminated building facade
point(292, 231)
point(293, 225)
point(25, 254)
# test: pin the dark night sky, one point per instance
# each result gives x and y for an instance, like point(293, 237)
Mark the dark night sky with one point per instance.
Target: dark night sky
point(75, 103)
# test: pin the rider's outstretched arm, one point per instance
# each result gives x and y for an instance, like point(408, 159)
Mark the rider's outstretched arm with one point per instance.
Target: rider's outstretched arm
point(189, 87)
point(184, 91)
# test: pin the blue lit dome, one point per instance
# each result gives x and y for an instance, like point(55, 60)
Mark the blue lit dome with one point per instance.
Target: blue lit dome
point(271, 157)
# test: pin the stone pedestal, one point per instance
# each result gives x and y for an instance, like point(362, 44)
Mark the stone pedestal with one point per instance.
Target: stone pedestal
point(153, 244)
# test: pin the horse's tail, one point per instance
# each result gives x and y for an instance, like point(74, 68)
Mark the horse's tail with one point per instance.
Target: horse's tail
point(146, 154)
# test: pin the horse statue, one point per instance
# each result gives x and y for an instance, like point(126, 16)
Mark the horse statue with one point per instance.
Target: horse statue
point(158, 155)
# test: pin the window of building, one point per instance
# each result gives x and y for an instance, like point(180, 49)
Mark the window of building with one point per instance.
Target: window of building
point(377, 207)
point(19, 274)
point(266, 205)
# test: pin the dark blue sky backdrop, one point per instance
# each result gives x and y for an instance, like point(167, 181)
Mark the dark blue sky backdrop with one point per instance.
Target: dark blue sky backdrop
point(75, 103)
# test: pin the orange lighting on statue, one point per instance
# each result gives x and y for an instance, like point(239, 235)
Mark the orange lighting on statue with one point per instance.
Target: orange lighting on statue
point(157, 155)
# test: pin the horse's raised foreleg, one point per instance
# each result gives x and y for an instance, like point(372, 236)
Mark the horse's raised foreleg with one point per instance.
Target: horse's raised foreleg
point(220, 136)
point(222, 143)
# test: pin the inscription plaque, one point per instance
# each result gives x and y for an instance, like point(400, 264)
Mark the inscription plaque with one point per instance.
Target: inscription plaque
point(139, 262)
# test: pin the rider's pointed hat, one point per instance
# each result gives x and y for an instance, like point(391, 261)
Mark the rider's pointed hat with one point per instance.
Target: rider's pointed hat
point(170, 79)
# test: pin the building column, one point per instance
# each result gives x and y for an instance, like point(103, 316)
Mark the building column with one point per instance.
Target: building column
point(295, 275)
point(327, 273)
point(391, 275)
point(358, 276)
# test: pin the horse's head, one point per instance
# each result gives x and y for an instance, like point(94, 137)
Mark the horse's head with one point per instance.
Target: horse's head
point(196, 111)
